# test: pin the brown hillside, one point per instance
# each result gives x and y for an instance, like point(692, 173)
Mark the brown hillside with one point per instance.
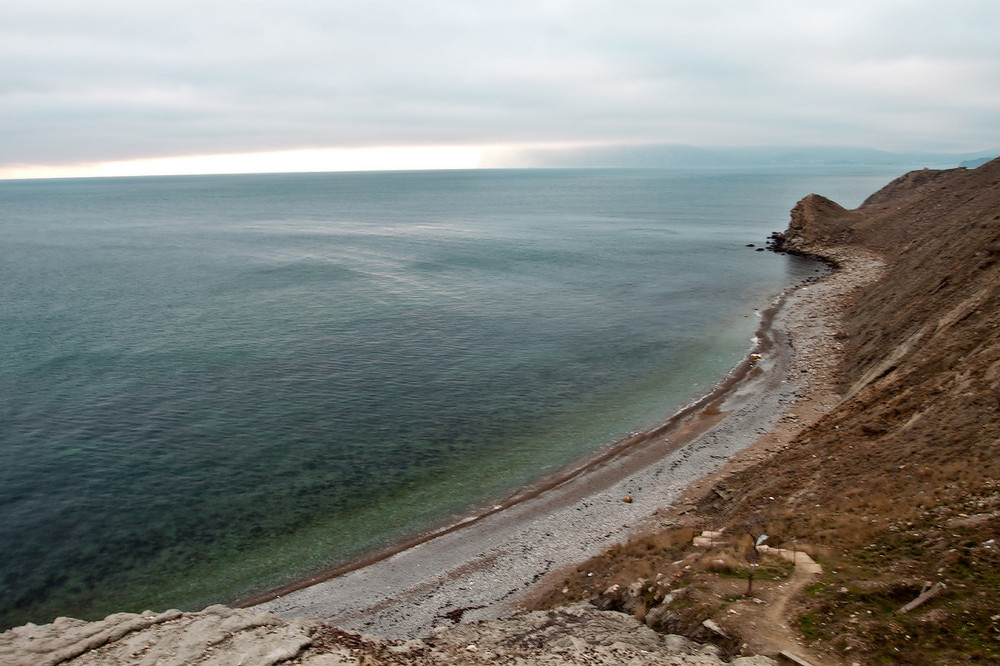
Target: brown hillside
point(902, 477)
point(897, 487)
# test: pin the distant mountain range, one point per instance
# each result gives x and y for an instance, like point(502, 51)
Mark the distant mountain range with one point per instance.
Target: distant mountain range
point(681, 156)
point(972, 164)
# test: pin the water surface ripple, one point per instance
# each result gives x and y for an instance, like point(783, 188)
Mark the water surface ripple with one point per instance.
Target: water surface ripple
point(213, 385)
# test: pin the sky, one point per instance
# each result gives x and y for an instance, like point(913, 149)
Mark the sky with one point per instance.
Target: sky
point(109, 87)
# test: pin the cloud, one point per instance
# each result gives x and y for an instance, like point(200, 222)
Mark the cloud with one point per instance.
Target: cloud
point(90, 81)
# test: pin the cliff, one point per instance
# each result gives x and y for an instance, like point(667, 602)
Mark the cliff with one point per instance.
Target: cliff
point(895, 484)
point(905, 469)
point(816, 224)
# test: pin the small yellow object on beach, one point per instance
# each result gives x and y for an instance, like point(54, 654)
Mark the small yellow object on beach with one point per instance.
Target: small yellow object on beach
point(627, 499)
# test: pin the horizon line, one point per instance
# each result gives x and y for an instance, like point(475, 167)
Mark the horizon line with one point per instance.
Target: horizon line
point(414, 158)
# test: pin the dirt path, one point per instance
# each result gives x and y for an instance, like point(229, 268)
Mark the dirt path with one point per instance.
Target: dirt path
point(772, 631)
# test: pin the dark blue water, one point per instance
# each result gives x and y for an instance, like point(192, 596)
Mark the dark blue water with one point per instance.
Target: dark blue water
point(213, 385)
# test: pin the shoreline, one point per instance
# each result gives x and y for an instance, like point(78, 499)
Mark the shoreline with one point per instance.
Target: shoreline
point(481, 566)
point(684, 424)
point(812, 323)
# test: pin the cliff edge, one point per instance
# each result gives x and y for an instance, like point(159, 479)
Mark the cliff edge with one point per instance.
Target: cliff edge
point(578, 634)
point(816, 224)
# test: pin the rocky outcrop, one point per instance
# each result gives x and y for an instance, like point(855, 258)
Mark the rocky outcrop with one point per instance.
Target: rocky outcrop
point(581, 634)
point(910, 209)
point(217, 635)
point(578, 634)
point(816, 223)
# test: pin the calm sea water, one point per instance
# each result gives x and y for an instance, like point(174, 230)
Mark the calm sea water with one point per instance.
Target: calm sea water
point(214, 385)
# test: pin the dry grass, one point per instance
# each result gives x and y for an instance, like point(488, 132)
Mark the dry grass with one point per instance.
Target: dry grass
point(643, 557)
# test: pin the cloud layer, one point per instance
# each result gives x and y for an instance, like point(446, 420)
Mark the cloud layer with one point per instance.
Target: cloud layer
point(93, 81)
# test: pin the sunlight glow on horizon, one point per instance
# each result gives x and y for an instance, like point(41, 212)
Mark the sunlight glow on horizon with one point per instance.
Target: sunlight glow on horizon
point(285, 161)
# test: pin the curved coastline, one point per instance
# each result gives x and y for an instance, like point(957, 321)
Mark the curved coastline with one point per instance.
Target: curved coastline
point(478, 566)
point(693, 419)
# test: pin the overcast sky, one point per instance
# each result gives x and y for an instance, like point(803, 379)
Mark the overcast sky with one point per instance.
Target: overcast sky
point(85, 81)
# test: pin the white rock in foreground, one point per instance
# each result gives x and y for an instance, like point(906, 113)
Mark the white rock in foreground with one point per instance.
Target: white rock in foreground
point(578, 634)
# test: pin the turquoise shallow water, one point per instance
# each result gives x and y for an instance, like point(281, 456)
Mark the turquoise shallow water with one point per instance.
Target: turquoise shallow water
point(214, 385)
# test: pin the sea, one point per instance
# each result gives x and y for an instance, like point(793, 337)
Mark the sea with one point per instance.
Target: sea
point(212, 386)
